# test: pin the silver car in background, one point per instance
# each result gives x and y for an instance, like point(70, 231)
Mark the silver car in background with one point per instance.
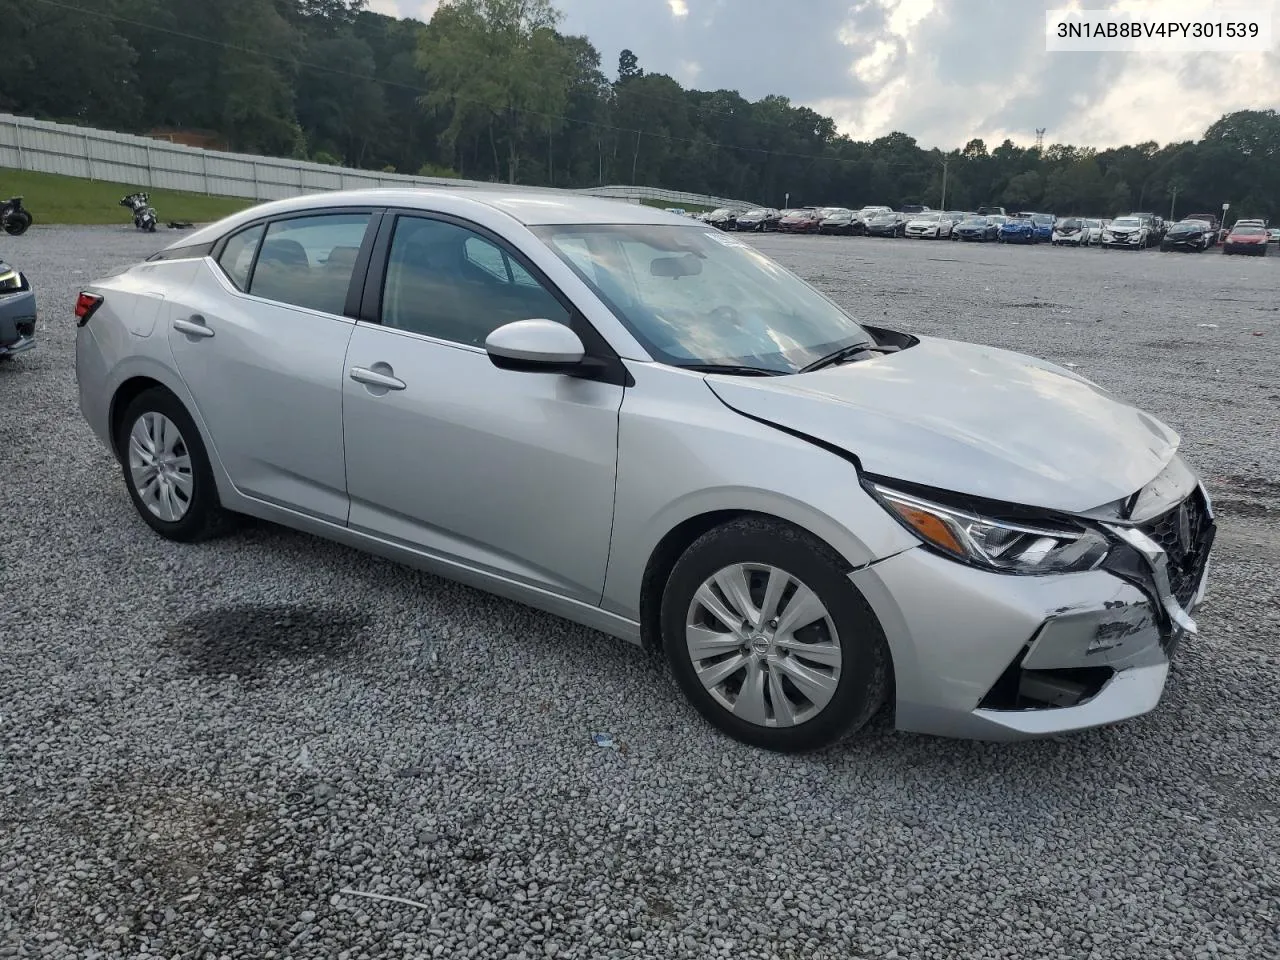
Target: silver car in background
point(642, 424)
point(930, 225)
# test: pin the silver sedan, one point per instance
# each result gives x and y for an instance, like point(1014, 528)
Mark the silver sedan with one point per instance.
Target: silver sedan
point(642, 424)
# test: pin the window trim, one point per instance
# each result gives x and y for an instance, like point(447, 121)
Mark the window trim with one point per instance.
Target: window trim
point(600, 363)
point(354, 285)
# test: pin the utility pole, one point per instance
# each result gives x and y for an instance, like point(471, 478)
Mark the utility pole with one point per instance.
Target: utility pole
point(944, 184)
point(1173, 202)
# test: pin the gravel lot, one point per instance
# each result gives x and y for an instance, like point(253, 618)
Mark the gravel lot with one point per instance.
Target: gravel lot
point(205, 747)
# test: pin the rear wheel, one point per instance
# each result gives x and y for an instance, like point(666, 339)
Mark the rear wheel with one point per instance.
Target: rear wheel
point(769, 640)
point(167, 471)
point(16, 223)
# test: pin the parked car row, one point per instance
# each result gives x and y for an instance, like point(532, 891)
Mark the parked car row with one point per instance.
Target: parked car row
point(1133, 231)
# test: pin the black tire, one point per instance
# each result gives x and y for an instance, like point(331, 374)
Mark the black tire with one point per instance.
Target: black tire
point(15, 225)
point(205, 517)
point(866, 669)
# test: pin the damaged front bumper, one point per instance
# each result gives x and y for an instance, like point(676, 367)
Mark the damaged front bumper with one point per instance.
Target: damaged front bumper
point(998, 657)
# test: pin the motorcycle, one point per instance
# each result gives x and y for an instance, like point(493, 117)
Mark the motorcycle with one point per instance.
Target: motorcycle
point(14, 217)
point(144, 215)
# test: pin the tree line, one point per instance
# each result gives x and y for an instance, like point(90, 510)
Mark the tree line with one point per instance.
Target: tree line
point(494, 90)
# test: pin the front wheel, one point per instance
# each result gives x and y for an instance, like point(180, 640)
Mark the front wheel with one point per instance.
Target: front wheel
point(166, 469)
point(770, 641)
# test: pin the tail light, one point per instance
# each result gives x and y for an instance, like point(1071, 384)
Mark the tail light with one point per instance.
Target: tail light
point(86, 305)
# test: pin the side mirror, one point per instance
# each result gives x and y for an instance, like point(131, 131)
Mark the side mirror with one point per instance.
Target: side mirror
point(535, 346)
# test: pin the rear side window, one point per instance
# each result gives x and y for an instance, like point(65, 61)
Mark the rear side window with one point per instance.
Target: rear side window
point(237, 256)
point(308, 261)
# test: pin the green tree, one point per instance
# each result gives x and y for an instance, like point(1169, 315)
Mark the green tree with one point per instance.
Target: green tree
point(496, 65)
point(1024, 191)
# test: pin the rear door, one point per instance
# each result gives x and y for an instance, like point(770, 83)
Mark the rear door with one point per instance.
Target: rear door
point(259, 339)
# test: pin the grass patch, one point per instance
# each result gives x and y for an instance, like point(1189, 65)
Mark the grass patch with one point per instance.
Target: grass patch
point(53, 198)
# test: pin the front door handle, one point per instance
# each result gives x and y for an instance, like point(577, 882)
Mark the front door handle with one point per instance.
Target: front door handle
point(194, 326)
point(373, 378)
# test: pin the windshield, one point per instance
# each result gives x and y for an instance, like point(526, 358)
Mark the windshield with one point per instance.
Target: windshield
point(753, 213)
point(1126, 222)
point(839, 212)
point(869, 211)
point(975, 221)
point(1046, 219)
point(927, 217)
point(694, 297)
point(1068, 223)
point(1187, 226)
point(1248, 231)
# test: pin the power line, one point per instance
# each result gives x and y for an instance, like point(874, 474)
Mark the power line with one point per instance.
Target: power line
point(292, 61)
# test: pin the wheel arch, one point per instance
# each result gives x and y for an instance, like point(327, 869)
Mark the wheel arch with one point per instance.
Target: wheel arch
point(672, 546)
point(124, 395)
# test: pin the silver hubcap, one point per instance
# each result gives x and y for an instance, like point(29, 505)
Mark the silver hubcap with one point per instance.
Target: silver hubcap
point(763, 645)
point(160, 466)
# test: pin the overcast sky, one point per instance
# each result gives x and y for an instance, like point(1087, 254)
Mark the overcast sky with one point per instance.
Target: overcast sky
point(942, 71)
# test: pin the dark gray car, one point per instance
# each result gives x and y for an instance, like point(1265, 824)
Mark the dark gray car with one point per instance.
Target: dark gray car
point(17, 312)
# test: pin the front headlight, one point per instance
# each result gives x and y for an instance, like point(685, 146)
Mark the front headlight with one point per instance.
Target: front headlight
point(999, 545)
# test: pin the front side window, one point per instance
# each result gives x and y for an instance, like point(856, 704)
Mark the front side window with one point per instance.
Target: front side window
point(447, 281)
point(695, 297)
point(237, 256)
point(308, 261)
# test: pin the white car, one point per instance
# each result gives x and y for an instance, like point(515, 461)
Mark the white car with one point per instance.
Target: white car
point(930, 225)
point(1095, 228)
point(1071, 232)
point(1126, 233)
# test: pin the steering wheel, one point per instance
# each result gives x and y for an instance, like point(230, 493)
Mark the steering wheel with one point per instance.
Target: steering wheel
point(727, 313)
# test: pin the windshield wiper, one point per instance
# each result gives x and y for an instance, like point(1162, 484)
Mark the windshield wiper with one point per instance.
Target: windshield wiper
point(737, 370)
point(846, 354)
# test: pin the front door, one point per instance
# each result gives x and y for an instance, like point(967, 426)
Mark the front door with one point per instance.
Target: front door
point(259, 340)
point(507, 472)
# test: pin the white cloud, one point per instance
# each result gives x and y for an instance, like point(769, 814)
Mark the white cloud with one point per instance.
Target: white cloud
point(689, 70)
point(679, 8)
point(417, 9)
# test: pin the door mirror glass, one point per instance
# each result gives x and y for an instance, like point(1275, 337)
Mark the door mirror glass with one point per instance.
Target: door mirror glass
point(535, 346)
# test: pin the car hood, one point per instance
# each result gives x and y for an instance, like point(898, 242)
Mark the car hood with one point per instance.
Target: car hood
point(970, 419)
point(922, 223)
point(1018, 225)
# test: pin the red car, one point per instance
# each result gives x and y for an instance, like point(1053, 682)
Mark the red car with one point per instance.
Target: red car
point(800, 221)
point(1247, 240)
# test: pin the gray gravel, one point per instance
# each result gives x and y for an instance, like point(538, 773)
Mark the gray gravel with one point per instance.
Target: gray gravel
point(205, 748)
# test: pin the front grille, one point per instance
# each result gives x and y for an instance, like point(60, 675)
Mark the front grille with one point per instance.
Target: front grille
point(1186, 565)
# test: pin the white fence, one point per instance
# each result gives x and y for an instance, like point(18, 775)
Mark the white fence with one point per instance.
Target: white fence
point(45, 147)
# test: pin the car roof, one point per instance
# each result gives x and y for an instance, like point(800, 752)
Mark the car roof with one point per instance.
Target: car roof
point(528, 207)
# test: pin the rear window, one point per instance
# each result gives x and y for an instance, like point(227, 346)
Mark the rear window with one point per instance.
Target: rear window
point(237, 256)
point(308, 261)
point(1248, 231)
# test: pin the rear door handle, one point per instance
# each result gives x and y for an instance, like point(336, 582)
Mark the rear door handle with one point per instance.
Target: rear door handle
point(373, 378)
point(195, 326)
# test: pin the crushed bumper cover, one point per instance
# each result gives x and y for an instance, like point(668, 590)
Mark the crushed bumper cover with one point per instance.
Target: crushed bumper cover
point(997, 657)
